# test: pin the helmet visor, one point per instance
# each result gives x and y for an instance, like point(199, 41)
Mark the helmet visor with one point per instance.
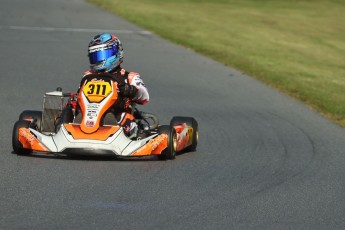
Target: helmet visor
point(99, 54)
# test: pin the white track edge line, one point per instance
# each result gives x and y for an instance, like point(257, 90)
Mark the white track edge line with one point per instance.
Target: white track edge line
point(83, 30)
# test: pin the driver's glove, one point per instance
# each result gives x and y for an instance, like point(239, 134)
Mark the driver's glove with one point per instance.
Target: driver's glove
point(127, 90)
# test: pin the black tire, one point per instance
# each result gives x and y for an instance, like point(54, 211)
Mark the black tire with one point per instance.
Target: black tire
point(170, 152)
point(190, 121)
point(16, 145)
point(32, 114)
point(65, 118)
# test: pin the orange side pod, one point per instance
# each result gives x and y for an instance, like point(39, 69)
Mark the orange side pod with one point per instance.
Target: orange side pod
point(29, 141)
point(153, 147)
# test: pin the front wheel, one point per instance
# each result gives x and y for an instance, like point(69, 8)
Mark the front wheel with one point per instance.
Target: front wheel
point(16, 144)
point(170, 152)
point(190, 121)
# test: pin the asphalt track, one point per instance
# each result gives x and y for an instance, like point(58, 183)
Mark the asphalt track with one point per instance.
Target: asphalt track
point(264, 161)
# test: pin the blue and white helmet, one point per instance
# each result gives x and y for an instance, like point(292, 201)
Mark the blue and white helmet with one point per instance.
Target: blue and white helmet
point(105, 52)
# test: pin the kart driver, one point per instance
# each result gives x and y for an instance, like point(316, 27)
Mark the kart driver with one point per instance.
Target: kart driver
point(106, 55)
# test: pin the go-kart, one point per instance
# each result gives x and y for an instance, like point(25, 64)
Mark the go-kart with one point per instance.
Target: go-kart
point(92, 130)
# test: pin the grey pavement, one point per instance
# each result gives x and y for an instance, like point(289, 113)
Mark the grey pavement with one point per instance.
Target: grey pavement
point(264, 160)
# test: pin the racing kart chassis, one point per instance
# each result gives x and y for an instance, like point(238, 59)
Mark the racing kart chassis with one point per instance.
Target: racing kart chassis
point(59, 130)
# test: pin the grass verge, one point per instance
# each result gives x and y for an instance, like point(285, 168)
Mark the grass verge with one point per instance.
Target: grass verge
point(297, 46)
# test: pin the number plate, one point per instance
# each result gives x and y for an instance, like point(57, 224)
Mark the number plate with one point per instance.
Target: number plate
point(96, 91)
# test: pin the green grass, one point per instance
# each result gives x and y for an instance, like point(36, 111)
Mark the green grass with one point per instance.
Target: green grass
point(297, 46)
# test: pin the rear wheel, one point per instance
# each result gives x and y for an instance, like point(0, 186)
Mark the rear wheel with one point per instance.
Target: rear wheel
point(36, 117)
point(190, 121)
point(16, 144)
point(170, 152)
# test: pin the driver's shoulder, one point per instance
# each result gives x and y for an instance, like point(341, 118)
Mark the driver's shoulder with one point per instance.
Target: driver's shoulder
point(122, 72)
point(88, 73)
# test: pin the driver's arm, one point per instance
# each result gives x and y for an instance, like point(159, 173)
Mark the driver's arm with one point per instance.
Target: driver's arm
point(142, 95)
